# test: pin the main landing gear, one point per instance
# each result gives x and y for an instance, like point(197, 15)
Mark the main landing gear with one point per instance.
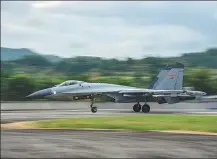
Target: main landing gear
point(137, 107)
point(145, 108)
point(93, 108)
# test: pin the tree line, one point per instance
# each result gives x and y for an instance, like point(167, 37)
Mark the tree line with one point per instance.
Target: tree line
point(34, 64)
point(15, 87)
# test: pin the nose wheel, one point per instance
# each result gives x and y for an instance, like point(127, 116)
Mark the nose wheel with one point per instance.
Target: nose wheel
point(94, 109)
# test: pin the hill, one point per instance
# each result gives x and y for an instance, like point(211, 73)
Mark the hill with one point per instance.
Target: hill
point(11, 54)
point(203, 59)
point(36, 63)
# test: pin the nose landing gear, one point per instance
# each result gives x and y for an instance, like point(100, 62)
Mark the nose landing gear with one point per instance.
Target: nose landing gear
point(93, 108)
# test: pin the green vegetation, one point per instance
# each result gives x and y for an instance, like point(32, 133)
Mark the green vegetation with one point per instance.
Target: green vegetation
point(150, 122)
point(32, 63)
point(23, 71)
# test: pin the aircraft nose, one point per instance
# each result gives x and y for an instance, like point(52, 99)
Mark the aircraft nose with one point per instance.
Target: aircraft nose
point(41, 93)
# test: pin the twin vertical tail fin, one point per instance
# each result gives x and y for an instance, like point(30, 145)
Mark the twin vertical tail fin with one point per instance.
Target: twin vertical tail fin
point(169, 78)
point(173, 79)
point(159, 78)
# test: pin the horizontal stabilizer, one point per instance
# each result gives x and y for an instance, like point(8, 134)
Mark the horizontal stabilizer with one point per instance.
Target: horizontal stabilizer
point(151, 91)
point(172, 95)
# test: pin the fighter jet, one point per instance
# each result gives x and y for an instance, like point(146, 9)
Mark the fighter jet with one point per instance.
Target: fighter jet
point(167, 87)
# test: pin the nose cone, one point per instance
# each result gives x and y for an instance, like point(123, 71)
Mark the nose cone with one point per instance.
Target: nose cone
point(41, 93)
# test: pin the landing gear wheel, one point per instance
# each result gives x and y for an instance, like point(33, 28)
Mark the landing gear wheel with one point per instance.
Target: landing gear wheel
point(137, 108)
point(146, 108)
point(94, 109)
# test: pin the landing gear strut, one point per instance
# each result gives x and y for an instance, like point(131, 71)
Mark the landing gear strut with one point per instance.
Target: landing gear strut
point(93, 108)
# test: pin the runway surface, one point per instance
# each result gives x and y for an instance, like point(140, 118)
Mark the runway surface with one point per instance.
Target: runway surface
point(25, 111)
point(59, 144)
point(126, 144)
point(86, 105)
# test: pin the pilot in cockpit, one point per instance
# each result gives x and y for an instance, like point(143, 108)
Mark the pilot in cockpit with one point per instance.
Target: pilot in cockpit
point(68, 83)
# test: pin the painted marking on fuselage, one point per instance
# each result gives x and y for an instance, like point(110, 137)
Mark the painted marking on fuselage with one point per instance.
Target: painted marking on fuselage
point(172, 75)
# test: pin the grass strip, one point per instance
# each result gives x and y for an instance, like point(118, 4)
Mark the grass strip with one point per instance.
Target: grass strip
point(141, 122)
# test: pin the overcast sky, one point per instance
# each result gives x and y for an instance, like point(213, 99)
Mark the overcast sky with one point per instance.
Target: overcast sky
point(109, 29)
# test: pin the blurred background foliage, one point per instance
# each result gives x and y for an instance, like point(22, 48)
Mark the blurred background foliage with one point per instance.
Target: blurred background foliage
point(24, 71)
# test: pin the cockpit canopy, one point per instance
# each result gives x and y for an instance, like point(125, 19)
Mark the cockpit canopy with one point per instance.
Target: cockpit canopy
point(70, 82)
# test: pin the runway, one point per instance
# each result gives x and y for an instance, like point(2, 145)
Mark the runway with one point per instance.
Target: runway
point(27, 111)
point(99, 144)
point(82, 144)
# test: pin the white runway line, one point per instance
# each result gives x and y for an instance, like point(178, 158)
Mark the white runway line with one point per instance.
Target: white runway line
point(204, 112)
